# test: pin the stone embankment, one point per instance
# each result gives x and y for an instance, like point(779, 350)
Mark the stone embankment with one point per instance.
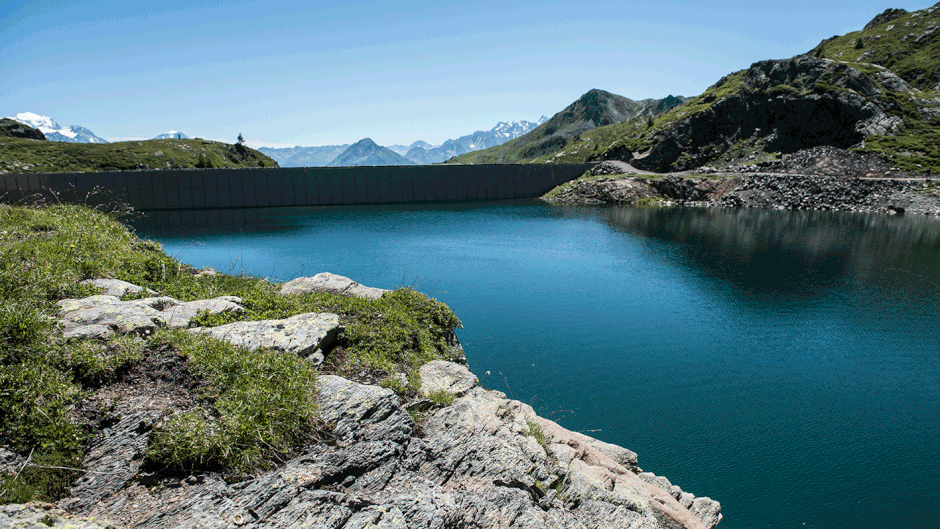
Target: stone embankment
point(823, 178)
point(482, 461)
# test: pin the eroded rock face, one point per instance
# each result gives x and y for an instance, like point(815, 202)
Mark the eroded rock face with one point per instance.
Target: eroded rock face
point(485, 461)
point(327, 282)
point(789, 105)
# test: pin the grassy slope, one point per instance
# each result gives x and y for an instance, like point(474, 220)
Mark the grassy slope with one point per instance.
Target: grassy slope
point(915, 150)
point(636, 134)
point(45, 251)
point(19, 155)
point(899, 48)
point(596, 106)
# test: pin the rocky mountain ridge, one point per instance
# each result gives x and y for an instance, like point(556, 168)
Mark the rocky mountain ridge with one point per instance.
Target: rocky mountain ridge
point(419, 152)
point(594, 109)
point(872, 91)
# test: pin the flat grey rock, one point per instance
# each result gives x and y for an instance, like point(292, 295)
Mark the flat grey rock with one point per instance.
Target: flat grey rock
point(115, 287)
point(180, 315)
point(449, 377)
point(327, 282)
point(99, 315)
point(302, 334)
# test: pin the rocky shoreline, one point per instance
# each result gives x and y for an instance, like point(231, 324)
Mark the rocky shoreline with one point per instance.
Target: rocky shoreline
point(822, 179)
point(456, 456)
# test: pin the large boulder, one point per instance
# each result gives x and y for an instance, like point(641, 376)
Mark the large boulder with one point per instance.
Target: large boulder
point(327, 282)
point(304, 334)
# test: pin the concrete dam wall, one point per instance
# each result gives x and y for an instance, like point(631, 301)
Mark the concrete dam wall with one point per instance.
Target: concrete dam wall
point(300, 186)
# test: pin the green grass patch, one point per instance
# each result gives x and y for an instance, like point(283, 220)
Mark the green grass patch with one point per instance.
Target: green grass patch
point(543, 438)
point(257, 406)
point(19, 155)
point(264, 405)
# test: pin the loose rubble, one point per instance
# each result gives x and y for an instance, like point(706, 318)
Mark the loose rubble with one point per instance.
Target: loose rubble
point(821, 178)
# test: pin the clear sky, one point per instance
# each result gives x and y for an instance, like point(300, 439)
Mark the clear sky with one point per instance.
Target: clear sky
point(323, 73)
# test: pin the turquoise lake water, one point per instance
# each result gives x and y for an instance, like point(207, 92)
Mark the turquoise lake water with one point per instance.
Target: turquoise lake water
point(784, 363)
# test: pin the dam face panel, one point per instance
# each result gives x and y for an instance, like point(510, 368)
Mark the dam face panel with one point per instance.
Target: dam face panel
point(292, 186)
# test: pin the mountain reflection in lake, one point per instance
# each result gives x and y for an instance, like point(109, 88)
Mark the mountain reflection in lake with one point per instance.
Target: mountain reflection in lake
point(784, 363)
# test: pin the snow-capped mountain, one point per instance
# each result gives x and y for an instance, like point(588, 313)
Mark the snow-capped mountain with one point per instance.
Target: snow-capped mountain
point(480, 139)
point(56, 132)
point(172, 135)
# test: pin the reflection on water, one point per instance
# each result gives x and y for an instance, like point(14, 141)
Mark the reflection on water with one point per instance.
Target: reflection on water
point(783, 362)
point(789, 252)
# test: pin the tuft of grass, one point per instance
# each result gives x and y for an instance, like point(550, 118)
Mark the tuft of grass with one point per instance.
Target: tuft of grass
point(398, 332)
point(540, 436)
point(441, 398)
point(263, 405)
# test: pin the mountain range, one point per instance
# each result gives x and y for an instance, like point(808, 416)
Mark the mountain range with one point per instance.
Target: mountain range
point(595, 109)
point(419, 152)
point(172, 135)
point(55, 132)
point(366, 152)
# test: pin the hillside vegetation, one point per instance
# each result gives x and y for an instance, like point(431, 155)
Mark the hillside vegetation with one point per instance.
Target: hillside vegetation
point(594, 109)
point(19, 154)
point(249, 409)
point(876, 90)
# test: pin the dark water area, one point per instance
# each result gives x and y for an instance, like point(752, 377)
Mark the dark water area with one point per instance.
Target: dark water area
point(784, 363)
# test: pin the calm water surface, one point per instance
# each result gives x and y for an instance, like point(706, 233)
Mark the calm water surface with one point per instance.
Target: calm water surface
point(784, 363)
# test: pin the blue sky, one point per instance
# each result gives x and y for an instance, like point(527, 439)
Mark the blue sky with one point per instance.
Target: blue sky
point(308, 73)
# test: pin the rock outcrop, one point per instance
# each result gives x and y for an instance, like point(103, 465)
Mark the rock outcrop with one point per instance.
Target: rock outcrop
point(485, 461)
point(101, 315)
point(447, 377)
point(306, 335)
point(327, 282)
point(784, 106)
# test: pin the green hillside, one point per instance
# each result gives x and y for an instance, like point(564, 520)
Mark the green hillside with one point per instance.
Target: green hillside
point(22, 155)
point(594, 109)
point(828, 97)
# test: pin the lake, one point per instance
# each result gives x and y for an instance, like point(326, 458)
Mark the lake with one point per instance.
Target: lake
point(785, 363)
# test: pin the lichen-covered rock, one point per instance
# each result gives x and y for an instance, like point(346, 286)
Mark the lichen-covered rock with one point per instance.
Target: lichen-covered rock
point(180, 315)
point(447, 377)
point(302, 334)
point(115, 287)
point(100, 315)
point(327, 282)
point(38, 515)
